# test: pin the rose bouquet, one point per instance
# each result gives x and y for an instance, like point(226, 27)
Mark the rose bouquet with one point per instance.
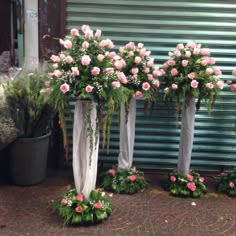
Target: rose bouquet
point(75, 209)
point(227, 183)
point(191, 185)
point(138, 73)
point(128, 181)
point(189, 72)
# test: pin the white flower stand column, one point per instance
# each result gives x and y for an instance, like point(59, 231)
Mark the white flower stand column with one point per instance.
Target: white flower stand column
point(85, 150)
point(127, 135)
point(186, 138)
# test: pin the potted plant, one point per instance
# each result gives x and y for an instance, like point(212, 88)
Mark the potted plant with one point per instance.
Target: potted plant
point(28, 100)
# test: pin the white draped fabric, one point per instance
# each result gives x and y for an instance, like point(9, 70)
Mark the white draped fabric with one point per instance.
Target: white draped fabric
point(127, 135)
point(84, 158)
point(186, 138)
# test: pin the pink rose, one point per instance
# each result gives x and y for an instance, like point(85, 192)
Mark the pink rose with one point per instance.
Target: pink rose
point(220, 84)
point(201, 179)
point(188, 54)
point(122, 78)
point(156, 82)
point(98, 33)
point(191, 45)
point(233, 87)
point(234, 72)
point(134, 70)
point(112, 171)
point(166, 90)
point(62, 56)
point(229, 81)
point(204, 62)
point(115, 84)
point(84, 28)
point(156, 73)
point(145, 86)
point(189, 177)
point(132, 178)
point(191, 75)
point(172, 178)
point(147, 53)
point(118, 65)
point(184, 63)
point(211, 61)
point(68, 59)
point(112, 55)
point(55, 65)
point(191, 186)
point(79, 209)
point(109, 43)
point(231, 185)
point(131, 53)
point(85, 60)
point(103, 43)
point(171, 62)
point(75, 71)
point(63, 201)
point(85, 45)
point(65, 88)
point(194, 84)
point(150, 77)
point(134, 168)
point(174, 86)
point(140, 45)
point(55, 58)
point(67, 44)
point(146, 70)
point(196, 51)
point(109, 70)
point(80, 197)
point(97, 205)
point(217, 71)
point(88, 34)
point(150, 62)
point(205, 51)
point(74, 32)
point(209, 71)
point(177, 53)
point(142, 52)
point(165, 65)
point(174, 72)
point(171, 54)
point(100, 57)
point(89, 89)
point(57, 73)
point(180, 46)
point(68, 187)
point(137, 60)
point(210, 85)
point(95, 71)
point(130, 45)
point(138, 94)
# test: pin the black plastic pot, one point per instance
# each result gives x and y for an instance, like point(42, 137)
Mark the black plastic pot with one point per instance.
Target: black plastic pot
point(28, 160)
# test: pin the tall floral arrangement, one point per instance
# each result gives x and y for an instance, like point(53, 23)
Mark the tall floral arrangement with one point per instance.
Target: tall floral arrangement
point(190, 72)
point(84, 70)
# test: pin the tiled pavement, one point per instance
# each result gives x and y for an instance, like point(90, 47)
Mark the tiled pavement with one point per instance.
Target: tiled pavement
point(27, 211)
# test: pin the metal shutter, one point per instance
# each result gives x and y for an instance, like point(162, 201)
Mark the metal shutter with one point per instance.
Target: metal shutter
point(160, 25)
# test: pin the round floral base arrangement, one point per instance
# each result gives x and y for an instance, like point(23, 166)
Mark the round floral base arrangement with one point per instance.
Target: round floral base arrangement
point(190, 185)
point(228, 183)
point(127, 181)
point(75, 209)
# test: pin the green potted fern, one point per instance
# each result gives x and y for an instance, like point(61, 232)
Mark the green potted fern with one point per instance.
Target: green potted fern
point(28, 99)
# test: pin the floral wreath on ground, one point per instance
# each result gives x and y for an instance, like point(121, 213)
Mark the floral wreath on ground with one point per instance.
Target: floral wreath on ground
point(84, 70)
point(127, 181)
point(227, 183)
point(191, 185)
point(189, 73)
point(75, 209)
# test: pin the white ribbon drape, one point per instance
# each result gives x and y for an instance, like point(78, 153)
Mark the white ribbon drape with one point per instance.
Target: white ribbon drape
point(127, 135)
point(84, 158)
point(186, 138)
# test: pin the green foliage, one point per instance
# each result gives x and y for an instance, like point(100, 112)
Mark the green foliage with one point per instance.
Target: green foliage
point(75, 209)
point(186, 186)
point(124, 181)
point(28, 100)
point(227, 183)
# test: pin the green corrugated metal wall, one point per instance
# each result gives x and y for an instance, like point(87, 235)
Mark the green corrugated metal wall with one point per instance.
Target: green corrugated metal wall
point(160, 25)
